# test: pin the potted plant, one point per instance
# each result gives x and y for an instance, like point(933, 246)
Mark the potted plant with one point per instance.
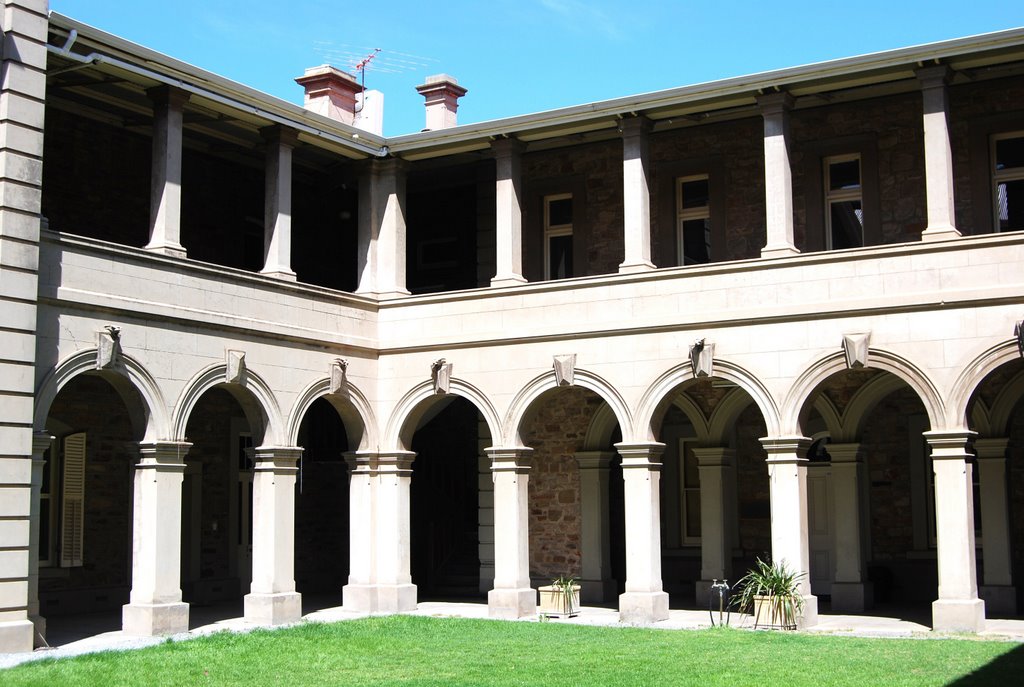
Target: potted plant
point(771, 592)
point(560, 599)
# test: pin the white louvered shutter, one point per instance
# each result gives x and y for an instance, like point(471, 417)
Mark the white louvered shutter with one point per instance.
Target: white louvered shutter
point(72, 521)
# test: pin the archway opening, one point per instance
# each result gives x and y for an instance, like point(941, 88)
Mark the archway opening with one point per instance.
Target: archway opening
point(452, 550)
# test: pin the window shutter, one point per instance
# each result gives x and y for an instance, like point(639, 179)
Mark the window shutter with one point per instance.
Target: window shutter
point(73, 501)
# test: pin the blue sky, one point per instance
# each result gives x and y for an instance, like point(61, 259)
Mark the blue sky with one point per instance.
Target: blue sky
point(521, 56)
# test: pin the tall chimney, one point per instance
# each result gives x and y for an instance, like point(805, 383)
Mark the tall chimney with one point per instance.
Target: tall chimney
point(442, 93)
point(330, 92)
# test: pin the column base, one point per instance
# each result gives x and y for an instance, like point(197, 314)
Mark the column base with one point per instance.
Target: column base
point(632, 267)
point(940, 233)
point(512, 603)
point(379, 598)
point(359, 598)
point(783, 251)
point(152, 620)
point(284, 275)
point(958, 616)
point(514, 280)
point(999, 599)
point(852, 597)
point(172, 249)
point(273, 609)
point(39, 630)
point(597, 591)
point(809, 615)
point(16, 636)
point(643, 608)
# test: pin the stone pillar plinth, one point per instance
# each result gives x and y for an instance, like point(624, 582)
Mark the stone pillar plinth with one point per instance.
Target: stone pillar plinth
point(41, 442)
point(509, 212)
point(512, 596)
point(155, 606)
point(850, 592)
point(787, 480)
point(715, 466)
point(165, 179)
point(272, 599)
point(597, 584)
point(636, 195)
point(938, 154)
point(395, 591)
point(997, 590)
point(277, 203)
point(382, 239)
point(778, 176)
point(644, 600)
point(360, 595)
point(958, 608)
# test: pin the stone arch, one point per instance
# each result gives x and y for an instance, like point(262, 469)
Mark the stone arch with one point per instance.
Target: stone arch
point(658, 396)
point(254, 396)
point(973, 375)
point(601, 429)
point(805, 384)
point(402, 423)
point(725, 416)
point(863, 402)
point(701, 425)
point(585, 379)
point(130, 379)
point(355, 412)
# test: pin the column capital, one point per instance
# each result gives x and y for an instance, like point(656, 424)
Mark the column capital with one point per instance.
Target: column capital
point(846, 453)
point(507, 147)
point(936, 76)
point(163, 455)
point(714, 456)
point(786, 449)
point(168, 96)
point(775, 103)
point(41, 441)
point(635, 126)
point(280, 135)
point(991, 448)
point(360, 461)
point(640, 455)
point(389, 165)
point(951, 445)
point(594, 460)
point(278, 459)
point(395, 462)
point(510, 459)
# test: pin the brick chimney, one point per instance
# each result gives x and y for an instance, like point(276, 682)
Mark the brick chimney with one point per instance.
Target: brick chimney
point(330, 92)
point(442, 93)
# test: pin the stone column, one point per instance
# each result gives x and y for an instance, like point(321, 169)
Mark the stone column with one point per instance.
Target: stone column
point(715, 466)
point(595, 545)
point(41, 441)
point(277, 203)
point(938, 155)
point(787, 480)
point(395, 591)
point(850, 592)
point(155, 606)
point(636, 195)
point(165, 179)
point(958, 608)
point(382, 248)
point(644, 600)
point(359, 594)
point(778, 176)
point(272, 598)
point(509, 212)
point(22, 111)
point(512, 596)
point(997, 588)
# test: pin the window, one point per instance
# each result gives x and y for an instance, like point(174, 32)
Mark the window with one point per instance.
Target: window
point(693, 222)
point(844, 212)
point(689, 490)
point(1008, 180)
point(558, 236)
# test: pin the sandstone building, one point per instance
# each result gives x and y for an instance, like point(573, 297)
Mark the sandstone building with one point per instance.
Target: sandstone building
point(255, 350)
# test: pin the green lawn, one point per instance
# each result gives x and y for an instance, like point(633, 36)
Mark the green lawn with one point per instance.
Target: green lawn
point(406, 650)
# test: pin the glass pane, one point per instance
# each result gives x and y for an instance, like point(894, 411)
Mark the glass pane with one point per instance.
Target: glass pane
point(695, 193)
point(559, 212)
point(847, 224)
point(1010, 153)
point(693, 513)
point(696, 241)
point(690, 473)
point(560, 256)
point(1010, 205)
point(844, 175)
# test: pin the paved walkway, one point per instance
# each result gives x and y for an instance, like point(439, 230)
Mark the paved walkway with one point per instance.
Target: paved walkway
point(105, 639)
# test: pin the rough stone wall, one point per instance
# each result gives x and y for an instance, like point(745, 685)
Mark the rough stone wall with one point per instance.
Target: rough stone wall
point(740, 147)
point(600, 165)
point(90, 404)
point(555, 433)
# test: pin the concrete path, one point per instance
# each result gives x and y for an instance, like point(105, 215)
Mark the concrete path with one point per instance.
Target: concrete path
point(843, 625)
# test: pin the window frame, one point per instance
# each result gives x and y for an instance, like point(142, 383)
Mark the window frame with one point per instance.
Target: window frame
point(843, 195)
point(813, 187)
point(996, 176)
point(686, 492)
point(695, 213)
point(556, 230)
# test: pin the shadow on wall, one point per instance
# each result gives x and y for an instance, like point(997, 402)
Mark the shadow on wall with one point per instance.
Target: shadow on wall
point(1004, 670)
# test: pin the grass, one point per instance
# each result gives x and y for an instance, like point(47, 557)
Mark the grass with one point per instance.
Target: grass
point(409, 650)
